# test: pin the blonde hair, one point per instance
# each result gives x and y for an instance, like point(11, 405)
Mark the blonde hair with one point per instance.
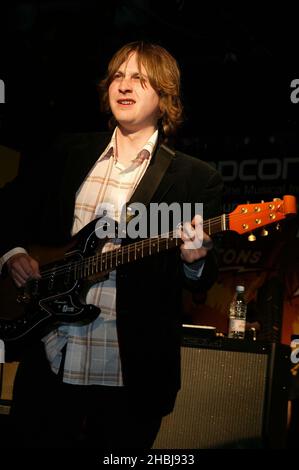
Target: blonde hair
point(163, 75)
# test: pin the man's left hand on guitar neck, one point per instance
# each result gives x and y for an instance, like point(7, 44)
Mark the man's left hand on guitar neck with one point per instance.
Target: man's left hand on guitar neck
point(197, 243)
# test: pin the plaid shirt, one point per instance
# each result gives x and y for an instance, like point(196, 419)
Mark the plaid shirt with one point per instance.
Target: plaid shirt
point(92, 352)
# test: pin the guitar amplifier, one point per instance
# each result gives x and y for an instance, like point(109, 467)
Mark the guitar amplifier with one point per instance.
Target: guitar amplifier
point(234, 394)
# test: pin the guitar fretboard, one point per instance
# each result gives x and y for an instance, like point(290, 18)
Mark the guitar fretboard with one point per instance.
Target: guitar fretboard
point(110, 260)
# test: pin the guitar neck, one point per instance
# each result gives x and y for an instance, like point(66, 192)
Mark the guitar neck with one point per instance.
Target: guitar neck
point(244, 219)
point(110, 260)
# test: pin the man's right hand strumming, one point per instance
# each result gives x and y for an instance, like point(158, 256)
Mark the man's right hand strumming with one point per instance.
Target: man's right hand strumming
point(22, 267)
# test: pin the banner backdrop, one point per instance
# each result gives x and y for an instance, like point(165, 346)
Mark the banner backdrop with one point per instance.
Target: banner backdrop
point(268, 266)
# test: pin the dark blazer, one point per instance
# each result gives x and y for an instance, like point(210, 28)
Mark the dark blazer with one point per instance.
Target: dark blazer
point(148, 300)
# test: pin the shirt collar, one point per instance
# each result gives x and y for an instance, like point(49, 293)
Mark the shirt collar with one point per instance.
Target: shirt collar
point(145, 153)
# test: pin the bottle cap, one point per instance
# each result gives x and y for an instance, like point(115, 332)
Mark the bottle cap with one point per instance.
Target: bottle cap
point(240, 288)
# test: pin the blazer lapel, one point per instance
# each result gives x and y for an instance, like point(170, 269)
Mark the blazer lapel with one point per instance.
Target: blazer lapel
point(152, 174)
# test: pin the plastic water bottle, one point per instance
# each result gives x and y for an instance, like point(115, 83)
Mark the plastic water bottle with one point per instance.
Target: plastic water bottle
point(237, 314)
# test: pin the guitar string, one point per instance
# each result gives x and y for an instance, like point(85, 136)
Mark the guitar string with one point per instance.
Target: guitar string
point(125, 250)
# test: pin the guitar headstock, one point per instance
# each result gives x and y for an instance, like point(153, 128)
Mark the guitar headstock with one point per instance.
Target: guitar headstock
point(248, 217)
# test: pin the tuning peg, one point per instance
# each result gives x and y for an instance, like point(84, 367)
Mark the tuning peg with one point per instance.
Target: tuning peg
point(264, 233)
point(251, 237)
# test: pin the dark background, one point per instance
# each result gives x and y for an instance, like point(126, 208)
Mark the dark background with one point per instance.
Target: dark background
point(237, 64)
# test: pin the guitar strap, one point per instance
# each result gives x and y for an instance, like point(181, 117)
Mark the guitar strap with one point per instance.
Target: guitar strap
point(153, 176)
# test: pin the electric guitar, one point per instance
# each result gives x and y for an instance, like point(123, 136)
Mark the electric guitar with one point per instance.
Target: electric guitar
point(68, 272)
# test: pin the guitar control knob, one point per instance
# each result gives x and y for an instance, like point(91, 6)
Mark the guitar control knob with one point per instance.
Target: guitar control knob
point(23, 299)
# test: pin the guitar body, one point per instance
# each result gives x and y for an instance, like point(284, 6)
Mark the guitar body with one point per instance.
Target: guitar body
point(58, 297)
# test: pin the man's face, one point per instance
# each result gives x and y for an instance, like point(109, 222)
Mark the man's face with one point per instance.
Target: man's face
point(135, 105)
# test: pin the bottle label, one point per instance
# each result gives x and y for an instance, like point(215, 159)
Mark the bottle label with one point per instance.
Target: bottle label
point(237, 325)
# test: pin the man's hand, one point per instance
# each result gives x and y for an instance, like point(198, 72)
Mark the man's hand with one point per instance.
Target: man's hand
point(22, 267)
point(197, 243)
